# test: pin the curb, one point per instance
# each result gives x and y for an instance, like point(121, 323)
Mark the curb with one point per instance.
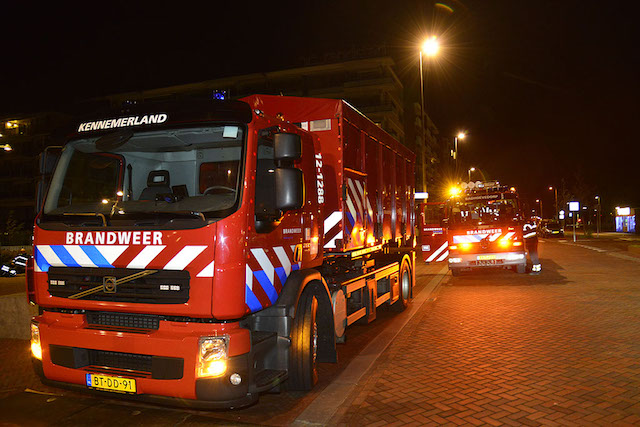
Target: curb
point(323, 407)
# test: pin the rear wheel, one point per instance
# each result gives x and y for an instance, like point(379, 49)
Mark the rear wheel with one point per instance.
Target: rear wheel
point(303, 369)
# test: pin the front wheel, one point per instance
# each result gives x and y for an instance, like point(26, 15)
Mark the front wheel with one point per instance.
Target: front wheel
point(303, 364)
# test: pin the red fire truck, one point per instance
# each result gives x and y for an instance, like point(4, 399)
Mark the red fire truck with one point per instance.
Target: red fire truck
point(433, 236)
point(485, 229)
point(200, 253)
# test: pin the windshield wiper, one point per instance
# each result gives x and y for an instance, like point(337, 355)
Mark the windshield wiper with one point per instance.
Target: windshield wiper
point(95, 214)
point(164, 214)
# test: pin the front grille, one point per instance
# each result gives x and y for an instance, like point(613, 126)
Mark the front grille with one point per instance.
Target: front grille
point(161, 287)
point(130, 364)
point(122, 320)
point(113, 359)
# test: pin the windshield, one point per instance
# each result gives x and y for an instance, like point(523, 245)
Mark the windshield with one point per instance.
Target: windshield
point(478, 211)
point(195, 172)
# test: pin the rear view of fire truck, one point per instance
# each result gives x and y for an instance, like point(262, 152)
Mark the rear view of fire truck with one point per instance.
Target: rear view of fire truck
point(203, 252)
point(485, 229)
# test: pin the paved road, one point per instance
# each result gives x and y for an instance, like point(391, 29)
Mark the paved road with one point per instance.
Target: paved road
point(41, 405)
point(562, 348)
point(492, 348)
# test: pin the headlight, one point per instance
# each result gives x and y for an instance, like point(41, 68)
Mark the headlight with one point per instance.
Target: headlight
point(212, 356)
point(36, 347)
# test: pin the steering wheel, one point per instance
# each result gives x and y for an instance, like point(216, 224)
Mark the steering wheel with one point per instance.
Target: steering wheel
point(218, 187)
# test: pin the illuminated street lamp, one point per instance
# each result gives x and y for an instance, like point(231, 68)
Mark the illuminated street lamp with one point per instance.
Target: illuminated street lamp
point(540, 202)
point(556, 194)
point(429, 48)
point(471, 170)
point(6, 147)
point(460, 135)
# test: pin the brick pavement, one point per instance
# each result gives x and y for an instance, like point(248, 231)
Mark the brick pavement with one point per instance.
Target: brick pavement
point(562, 348)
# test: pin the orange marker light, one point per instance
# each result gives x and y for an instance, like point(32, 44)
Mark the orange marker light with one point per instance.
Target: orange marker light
point(465, 246)
point(504, 243)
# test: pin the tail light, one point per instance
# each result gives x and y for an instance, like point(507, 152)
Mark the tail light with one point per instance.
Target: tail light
point(504, 243)
point(31, 281)
point(465, 246)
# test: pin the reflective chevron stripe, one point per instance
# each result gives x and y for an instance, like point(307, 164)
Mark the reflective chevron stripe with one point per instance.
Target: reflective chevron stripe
point(266, 272)
point(438, 252)
point(105, 256)
point(332, 229)
point(443, 257)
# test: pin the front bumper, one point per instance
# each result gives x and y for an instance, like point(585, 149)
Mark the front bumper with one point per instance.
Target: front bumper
point(170, 351)
point(487, 260)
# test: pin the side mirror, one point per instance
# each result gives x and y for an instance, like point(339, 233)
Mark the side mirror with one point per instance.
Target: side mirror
point(287, 146)
point(289, 189)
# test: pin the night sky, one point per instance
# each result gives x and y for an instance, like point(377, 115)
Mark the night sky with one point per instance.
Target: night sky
point(547, 90)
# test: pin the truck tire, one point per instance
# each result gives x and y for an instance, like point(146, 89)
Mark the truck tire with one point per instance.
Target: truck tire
point(406, 284)
point(303, 364)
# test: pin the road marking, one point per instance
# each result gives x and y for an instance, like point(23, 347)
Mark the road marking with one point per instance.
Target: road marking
point(323, 407)
point(613, 254)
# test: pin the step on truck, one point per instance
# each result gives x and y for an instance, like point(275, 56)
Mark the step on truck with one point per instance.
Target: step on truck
point(484, 228)
point(200, 253)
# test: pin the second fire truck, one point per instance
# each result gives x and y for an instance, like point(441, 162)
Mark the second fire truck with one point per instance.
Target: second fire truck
point(485, 229)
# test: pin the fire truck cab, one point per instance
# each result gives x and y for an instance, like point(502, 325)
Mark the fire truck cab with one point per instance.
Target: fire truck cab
point(485, 228)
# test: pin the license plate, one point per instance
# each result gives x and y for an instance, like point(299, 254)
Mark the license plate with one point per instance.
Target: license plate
point(117, 384)
point(486, 257)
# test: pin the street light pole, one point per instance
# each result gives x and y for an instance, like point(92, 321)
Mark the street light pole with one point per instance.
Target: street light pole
point(556, 194)
point(599, 215)
point(540, 202)
point(430, 47)
point(471, 170)
point(461, 135)
point(423, 147)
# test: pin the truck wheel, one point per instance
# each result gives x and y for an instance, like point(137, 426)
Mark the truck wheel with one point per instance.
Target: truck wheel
point(521, 269)
point(303, 369)
point(405, 287)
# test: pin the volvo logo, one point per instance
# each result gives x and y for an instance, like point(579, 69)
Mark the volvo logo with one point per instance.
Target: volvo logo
point(109, 284)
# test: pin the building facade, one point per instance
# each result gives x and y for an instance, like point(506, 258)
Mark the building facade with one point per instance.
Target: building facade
point(371, 85)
